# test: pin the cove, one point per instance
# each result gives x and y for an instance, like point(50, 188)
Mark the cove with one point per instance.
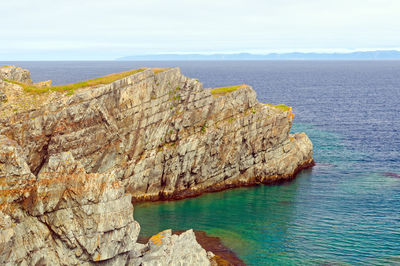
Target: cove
point(336, 212)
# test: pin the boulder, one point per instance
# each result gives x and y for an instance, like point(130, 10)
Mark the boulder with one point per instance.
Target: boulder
point(15, 74)
point(167, 249)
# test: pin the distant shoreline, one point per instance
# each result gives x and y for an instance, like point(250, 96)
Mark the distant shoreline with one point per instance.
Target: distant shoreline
point(296, 56)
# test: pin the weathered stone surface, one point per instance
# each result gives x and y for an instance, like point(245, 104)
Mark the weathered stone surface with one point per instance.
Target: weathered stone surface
point(167, 249)
point(217, 252)
point(15, 100)
point(63, 216)
point(43, 84)
point(71, 164)
point(15, 73)
point(3, 97)
point(166, 135)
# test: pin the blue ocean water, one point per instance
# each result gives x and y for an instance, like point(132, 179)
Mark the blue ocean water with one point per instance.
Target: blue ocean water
point(346, 209)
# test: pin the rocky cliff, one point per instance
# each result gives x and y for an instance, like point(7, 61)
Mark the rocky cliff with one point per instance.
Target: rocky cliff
point(15, 73)
point(72, 163)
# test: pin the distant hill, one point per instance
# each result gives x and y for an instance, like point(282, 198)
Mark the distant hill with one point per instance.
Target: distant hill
point(368, 55)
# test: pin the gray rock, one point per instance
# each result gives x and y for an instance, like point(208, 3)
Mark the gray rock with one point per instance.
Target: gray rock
point(3, 97)
point(167, 249)
point(16, 74)
point(71, 168)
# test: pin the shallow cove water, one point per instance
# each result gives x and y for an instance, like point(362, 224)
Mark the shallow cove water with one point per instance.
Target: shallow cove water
point(343, 210)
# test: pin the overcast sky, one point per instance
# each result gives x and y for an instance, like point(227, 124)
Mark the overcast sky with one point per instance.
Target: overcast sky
point(97, 29)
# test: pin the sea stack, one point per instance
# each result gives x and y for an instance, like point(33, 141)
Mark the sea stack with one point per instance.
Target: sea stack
point(74, 158)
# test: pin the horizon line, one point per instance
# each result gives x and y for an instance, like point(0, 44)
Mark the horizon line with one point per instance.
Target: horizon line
point(304, 51)
point(236, 53)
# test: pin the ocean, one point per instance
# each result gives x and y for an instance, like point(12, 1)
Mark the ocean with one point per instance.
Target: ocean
point(345, 210)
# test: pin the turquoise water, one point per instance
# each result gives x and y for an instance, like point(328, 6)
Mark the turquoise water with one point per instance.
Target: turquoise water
point(332, 213)
point(344, 210)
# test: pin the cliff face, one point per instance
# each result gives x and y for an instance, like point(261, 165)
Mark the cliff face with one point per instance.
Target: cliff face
point(70, 167)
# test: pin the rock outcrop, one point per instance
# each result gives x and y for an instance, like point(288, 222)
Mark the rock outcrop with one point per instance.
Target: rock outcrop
point(71, 166)
point(217, 252)
point(43, 84)
point(167, 249)
point(3, 98)
point(15, 73)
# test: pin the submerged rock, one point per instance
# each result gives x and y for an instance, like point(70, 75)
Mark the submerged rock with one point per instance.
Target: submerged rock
point(71, 164)
point(390, 174)
point(217, 252)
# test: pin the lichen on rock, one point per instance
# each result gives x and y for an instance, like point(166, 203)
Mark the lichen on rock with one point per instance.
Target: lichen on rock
point(71, 165)
point(16, 74)
point(3, 97)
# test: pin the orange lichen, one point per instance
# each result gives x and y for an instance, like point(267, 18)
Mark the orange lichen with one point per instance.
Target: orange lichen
point(20, 182)
point(98, 241)
point(291, 114)
point(157, 70)
point(156, 239)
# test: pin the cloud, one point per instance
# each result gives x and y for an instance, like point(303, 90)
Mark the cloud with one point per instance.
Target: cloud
point(109, 29)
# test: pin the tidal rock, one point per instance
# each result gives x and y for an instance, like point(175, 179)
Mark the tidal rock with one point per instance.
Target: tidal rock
point(167, 249)
point(217, 252)
point(390, 174)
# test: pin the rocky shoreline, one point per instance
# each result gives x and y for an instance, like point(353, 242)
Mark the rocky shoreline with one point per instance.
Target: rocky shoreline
point(223, 255)
point(72, 161)
point(222, 187)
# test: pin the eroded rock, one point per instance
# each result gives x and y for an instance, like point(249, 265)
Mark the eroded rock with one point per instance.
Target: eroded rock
point(64, 216)
point(15, 73)
point(167, 249)
point(3, 97)
point(71, 165)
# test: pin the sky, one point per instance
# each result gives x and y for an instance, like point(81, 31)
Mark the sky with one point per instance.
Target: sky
point(105, 30)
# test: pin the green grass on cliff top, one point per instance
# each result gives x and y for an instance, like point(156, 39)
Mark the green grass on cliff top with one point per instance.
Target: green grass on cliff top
point(89, 83)
point(282, 107)
point(225, 90)
point(216, 92)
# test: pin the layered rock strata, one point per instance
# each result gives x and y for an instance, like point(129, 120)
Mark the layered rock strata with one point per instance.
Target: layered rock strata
point(65, 216)
point(71, 166)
